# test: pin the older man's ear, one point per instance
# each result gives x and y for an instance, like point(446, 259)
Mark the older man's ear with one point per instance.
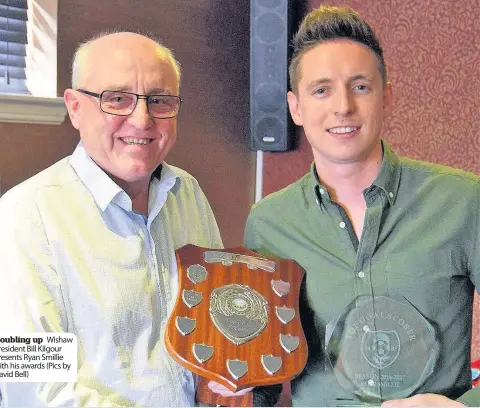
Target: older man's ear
point(72, 103)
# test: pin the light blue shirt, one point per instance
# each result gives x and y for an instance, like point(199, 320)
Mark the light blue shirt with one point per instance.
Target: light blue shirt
point(75, 258)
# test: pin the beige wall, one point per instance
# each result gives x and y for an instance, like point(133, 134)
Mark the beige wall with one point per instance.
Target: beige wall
point(210, 38)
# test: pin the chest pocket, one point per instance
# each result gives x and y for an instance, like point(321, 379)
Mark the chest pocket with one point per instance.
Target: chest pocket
point(423, 279)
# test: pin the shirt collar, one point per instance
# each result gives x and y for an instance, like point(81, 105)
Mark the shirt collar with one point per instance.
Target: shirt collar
point(388, 178)
point(164, 180)
point(105, 191)
point(102, 188)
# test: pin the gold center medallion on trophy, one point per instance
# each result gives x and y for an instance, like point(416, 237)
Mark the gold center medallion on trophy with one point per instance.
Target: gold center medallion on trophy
point(239, 312)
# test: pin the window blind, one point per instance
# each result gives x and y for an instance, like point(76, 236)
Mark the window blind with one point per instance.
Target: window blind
point(13, 40)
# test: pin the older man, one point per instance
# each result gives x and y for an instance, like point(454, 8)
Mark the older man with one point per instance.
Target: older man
point(391, 246)
point(87, 245)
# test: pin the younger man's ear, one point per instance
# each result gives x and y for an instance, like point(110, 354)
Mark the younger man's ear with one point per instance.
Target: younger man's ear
point(294, 108)
point(387, 99)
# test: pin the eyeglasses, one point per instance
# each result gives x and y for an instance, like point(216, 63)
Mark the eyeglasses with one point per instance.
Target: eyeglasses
point(123, 103)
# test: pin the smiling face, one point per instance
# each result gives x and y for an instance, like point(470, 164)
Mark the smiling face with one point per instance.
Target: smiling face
point(128, 148)
point(341, 102)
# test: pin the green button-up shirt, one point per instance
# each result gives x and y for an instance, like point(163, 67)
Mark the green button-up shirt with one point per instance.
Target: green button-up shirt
point(420, 246)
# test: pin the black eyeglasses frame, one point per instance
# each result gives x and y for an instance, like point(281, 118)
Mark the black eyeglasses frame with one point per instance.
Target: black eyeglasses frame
point(139, 96)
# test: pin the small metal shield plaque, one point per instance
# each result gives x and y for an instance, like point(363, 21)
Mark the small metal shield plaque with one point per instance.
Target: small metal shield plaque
point(237, 368)
point(281, 288)
point(285, 314)
point(191, 297)
point(271, 364)
point(185, 325)
point(289, 343)
point(202, 352)
point(236, 318)
point(197, 273)
point(381, 349)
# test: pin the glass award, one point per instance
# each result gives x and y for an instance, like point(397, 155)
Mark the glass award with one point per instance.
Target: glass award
point(381, 349)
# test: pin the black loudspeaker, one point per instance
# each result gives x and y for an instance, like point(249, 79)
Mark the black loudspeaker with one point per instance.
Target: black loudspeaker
point(271, 26)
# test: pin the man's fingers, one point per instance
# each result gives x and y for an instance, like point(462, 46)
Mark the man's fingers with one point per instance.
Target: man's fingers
point(396, 403)
point(225, 392)
point(423, 400)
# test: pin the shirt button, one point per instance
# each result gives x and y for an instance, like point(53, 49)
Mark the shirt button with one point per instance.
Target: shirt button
point(322, 191)
point(371, 383)
point(390, 194)
point(361, 274)
point(342, 224)
point(366, 328)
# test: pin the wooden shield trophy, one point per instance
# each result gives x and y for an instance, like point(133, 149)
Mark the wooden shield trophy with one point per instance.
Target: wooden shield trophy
point(236, 319)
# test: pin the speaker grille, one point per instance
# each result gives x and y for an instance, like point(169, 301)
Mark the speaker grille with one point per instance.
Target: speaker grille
point(270, 124)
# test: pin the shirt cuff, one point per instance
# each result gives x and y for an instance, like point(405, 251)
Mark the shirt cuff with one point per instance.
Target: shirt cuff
point(471, 398)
